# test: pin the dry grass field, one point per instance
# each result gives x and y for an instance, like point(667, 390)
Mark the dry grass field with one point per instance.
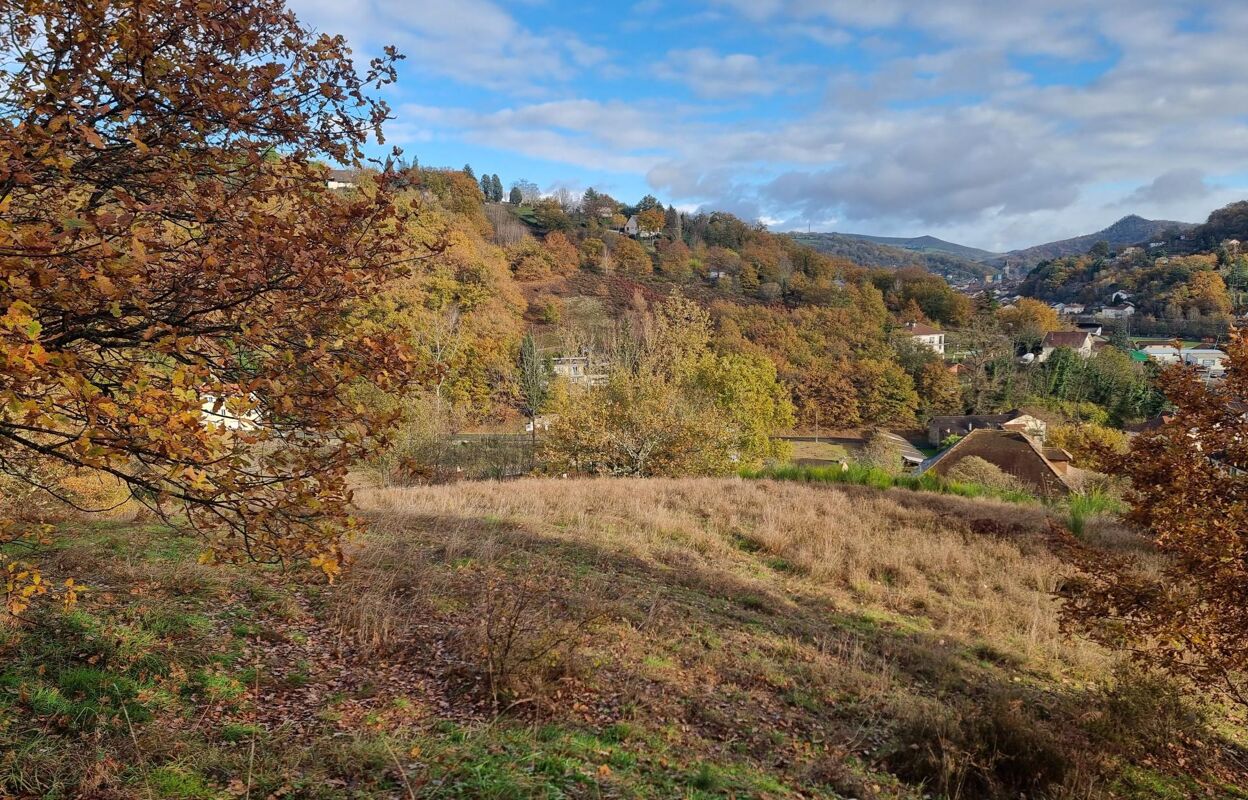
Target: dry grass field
point(604, 638)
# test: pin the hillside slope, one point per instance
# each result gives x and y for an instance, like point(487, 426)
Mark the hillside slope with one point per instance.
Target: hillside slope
point(690, 638)
point(869, 252)
point(928, 244)
point(1129, 230)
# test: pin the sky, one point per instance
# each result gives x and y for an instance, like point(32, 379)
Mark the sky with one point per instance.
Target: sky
point(990, 123)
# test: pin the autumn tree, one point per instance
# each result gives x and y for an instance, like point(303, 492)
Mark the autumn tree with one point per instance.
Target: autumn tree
point(827, 398)
point(595, 256)
point(676, 408)
point(528, 261)
point(1090, 445)
point(1029, 320)
point(562, 253)
point(630, 257)
point(169, 246)
point(940, 391)
point(651, 220)
point(1189, 491)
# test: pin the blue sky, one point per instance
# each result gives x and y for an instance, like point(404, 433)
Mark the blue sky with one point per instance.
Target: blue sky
point(990, 123)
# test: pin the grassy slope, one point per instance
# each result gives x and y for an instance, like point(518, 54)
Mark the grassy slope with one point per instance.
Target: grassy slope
point(690, 638)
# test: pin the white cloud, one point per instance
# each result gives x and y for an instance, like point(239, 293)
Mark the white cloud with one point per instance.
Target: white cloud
point(474, 41)
point(732, 75)
point(943, 130)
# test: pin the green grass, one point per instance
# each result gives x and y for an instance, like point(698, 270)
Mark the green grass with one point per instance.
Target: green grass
point(861, 475)
point(1085, 505)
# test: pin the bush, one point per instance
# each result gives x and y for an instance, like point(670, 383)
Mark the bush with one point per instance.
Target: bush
point(993, 751)
point(525, 632)
point(882, 453)
point(974, 469)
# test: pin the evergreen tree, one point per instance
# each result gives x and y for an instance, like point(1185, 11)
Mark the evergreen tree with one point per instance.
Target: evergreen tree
point(487, 188)
point(673, 226)
point(496, 188)
point(534, 380)
point(516, 197)
point(468, 171)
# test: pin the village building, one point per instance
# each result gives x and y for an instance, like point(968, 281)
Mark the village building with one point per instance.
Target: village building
point(1079, 341)
point(927, 335)
point(1117, 312)
point(1207, 359)
point(1043, 471)
point(633, 228)
point(341, 179)
point(578, 370)
point(941, 428)
point(1093, 328)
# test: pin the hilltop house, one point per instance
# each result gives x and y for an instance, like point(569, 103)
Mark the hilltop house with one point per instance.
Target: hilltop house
point(1079, 341)
point(941, 428)
point(1043, 471)
point(1069, 309)
point(633, 228)
point(927, 335)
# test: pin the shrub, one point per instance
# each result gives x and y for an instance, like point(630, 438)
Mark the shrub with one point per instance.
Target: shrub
point(990, 751)
point(882, 453)
point(525, 632)
point(974, 469)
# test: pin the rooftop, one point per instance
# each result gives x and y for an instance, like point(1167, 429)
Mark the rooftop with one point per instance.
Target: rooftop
point(1066, 338)
point(920, 329)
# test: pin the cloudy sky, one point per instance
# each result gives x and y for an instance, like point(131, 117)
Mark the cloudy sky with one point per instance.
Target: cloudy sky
point(995, 124)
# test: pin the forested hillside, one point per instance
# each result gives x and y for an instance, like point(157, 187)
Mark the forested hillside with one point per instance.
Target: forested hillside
point(822, 326)
point(927, 244)
point(1192, 286)
point(872, 252)
point(1129, 230)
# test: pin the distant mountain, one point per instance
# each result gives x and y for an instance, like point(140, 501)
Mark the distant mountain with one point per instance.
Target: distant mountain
point(1129, 230)
point(867, 251)
point(929, 244)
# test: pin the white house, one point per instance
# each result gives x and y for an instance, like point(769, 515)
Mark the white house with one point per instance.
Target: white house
point(1162, 353)
point(927, 335)
point(340, 179)
point(1079, 341)
point(1210, 359)
point(1206, 359)
point(633, 228)
point(1117, 312)
point(234, 413)
point(578, 370)
point(1069, 308)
